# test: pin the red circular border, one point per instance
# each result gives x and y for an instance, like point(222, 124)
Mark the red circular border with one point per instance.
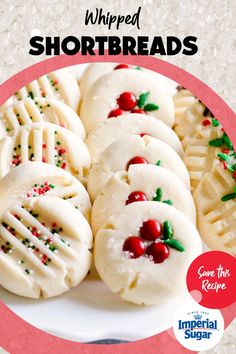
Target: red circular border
point(16, 335)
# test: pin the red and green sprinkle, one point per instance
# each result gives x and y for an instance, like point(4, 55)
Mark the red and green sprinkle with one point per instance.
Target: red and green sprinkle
point(39, 189)
point(227, 155)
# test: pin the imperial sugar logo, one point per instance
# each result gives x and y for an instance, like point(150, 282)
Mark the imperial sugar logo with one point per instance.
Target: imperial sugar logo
point(198, 328)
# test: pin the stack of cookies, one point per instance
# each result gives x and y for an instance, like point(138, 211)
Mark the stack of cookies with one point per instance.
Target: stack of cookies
point(211, 161)
point(45, 237)
point(143, 215)
point(106, 168)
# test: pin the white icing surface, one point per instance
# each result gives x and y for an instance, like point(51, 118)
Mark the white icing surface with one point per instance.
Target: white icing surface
point(45, 142)
point(30, 111)
point(60, 85)
point(95, 70)
point(27, 180)
point(144, 178)
point(124, 150)
point(103, 94)
point(140, 280)
point(116, 128)
point(42, 262)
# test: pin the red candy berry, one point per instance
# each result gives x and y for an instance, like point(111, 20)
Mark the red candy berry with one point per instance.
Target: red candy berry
point(127, 101)
point(206, 122)
point(115, 113)
point(142, 134)
point(136, 197)
point(234, 174)
point(151, 230)
point(224, 164)
point(136, 160)
point(157, 252)
point(135, 246)
point(138, 110)
point(122, 66)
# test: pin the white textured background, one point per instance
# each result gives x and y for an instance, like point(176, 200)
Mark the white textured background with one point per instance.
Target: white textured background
point(212, 21)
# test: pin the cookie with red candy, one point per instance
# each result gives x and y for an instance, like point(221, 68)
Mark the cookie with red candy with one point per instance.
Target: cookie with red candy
point(142, 182)
point(144, 251)
point(133, 149)
point(139, 124)
point(127, 90)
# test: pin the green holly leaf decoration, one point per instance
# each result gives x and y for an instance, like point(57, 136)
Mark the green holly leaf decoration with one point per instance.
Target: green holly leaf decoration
point(231, 168)
point(216, 142)
point(215, 122)
point(227, 141)
point(175, 244)
point(158, 195)
point(168, 201)
point(150, 107)
point(158, 163)
point(167, 230)
point(229, 196)
point(142, 99)
point(223, 157)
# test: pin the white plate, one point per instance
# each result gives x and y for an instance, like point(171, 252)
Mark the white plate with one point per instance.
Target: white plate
point(90, 311)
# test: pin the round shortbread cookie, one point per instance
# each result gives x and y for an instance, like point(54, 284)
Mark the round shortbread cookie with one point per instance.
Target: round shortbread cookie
point(192, 121)
point(142, 280)
point(154, 183)
point(60, 85)
point(217, 217)
point(117, 155)
point(103, 95)
point(4, 106)
point(183, 99)
point(45, 246)
point(115, 128)
point(31, 111)
point(37, 179)
point(200, 156)
point(45, 142)
point(95, 70)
